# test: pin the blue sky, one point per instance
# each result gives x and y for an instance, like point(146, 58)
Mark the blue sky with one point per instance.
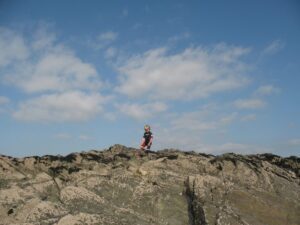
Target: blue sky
point(209, 76)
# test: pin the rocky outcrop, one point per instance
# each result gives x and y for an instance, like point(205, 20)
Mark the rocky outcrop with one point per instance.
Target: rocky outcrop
point(165, 187)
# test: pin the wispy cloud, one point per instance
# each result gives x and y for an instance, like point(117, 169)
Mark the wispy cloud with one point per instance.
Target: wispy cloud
point(110, 52)
point(102, 40)
point(107, 36)
point(191, 74)
point(274, 47)
point(189, 130)
point(256, 101)
point(180, 37)
point(250, 103)
point(42, 38)
point(184, 140)
point(266, 90)
point(142, 111)
point(249, 117)
point(202, 120)
point(4, 100)
point(229, 118)
point(193, 121)
point(13, 47)
point(3, 104)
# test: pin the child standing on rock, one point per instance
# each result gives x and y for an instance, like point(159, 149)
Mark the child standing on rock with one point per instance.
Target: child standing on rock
point(146, 140)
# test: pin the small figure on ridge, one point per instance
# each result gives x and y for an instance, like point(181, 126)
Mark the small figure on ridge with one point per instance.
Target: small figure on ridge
point(146, 140)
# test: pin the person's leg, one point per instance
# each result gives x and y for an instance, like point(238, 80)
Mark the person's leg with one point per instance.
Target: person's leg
point(139, 152)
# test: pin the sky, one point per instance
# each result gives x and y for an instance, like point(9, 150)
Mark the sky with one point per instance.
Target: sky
point(208, 76)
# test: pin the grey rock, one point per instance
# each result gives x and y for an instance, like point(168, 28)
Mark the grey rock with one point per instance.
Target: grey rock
point(113, 186)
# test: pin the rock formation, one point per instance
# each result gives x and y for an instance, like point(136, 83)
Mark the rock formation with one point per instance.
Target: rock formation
point(165, 187)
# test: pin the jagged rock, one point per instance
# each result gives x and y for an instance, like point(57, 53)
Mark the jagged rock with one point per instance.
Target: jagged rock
point(165, 187)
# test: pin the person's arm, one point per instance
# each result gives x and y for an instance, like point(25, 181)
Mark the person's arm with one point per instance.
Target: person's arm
point(150, 142)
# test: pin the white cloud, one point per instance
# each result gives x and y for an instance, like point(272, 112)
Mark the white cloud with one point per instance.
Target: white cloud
point(249, 117)
point(255, 102)
point(142, 111)
point(249, 103)
point(41, 65)
point(193, 73)
point(58, 70)
point(274, 47)
point(66, 88)
point(4, 100)
point(266, 90)
point(13, 47)
point(69, 106)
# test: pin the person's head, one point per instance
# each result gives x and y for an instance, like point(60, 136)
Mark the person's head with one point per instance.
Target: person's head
point(147, 127)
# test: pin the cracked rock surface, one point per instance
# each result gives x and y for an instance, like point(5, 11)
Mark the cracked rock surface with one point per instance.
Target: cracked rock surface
point(165, 187)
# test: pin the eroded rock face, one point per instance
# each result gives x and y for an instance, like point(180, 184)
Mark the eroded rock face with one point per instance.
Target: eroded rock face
point(165, 187)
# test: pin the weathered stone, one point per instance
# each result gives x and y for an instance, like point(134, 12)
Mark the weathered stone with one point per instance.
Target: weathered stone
point(164, 187)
